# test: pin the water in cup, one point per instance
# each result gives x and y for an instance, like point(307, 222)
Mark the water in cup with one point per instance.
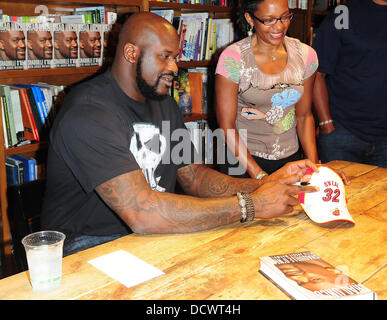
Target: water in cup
point(44, 252)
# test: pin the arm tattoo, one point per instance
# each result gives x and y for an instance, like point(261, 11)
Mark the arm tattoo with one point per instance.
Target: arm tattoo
point(201, 181)
point(148, 211)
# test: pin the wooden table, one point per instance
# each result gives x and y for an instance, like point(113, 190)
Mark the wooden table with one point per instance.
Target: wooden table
point(223, 263)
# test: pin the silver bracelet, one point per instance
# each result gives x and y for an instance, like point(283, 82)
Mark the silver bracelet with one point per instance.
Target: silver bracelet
point(323, 123)
point(261, 175)
point(247, 206)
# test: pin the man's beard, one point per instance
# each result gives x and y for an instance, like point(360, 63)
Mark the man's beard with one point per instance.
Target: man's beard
point(149, 92)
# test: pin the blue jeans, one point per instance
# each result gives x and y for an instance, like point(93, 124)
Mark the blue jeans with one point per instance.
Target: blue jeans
point(84, 242)
point(341, 144)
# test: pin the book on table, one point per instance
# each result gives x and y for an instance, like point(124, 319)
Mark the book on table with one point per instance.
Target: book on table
point(305, 276)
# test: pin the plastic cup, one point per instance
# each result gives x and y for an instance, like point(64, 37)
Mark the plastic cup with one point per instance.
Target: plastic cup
point(44, 252)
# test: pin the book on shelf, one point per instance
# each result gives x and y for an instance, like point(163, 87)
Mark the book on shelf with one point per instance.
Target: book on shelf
point(17, 115)
point(90, 44)
point(97, 13)
point(29, 166)
point(17, 174)
point(65, 45)
point(9, 118)
point(167, 14)
point(12, 174)
point(5, 132)
point(182, 91)
point(305, 276)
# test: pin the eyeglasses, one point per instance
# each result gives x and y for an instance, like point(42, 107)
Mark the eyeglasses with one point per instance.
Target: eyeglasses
point(273, 21)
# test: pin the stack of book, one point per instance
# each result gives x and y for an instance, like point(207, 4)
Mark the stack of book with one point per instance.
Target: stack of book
point(200, 35)
point(75, 39)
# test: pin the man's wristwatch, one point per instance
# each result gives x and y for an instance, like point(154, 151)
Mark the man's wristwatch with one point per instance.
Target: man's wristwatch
point(261, 175)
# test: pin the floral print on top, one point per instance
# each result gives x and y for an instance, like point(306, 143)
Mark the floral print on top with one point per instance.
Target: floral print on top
point(266, 102)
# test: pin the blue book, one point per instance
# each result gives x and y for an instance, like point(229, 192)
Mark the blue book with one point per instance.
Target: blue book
point(12, 174)
point(18, 167)
point(29, 166)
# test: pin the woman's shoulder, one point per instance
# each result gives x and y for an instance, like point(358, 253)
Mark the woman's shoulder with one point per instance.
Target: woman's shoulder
point(305, 49)
point(307, 53)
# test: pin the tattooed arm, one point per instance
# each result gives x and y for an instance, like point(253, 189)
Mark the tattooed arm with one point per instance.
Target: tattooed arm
point(147, 211)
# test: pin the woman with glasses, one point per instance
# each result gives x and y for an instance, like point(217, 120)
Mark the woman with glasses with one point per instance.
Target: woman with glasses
point(263, 92)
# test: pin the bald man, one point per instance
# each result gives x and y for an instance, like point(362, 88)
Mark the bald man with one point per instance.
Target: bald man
point(113, 160)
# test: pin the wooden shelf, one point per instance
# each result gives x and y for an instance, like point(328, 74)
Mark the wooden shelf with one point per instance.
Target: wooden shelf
point(188, 7)
point(58, 76)
point(33, 147)
point(193, 64)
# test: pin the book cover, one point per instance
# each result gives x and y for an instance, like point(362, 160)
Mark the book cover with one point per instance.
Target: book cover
point(305, 276)
point(39, 45)
point(12, 46)
point(65, 45)
point(181, 91)
point(90, 45)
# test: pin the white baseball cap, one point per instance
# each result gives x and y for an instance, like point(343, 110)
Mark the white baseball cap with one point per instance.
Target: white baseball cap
point(329, 203)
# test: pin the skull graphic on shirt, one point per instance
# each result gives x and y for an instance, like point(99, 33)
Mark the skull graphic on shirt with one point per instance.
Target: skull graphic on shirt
point(148, 146)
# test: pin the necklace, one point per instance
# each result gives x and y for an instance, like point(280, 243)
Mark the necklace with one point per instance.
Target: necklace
point(272, 56)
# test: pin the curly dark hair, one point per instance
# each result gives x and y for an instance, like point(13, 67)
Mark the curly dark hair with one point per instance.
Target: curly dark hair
point(248, 6)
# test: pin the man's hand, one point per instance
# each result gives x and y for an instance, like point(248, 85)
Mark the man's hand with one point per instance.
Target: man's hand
point(275, 196)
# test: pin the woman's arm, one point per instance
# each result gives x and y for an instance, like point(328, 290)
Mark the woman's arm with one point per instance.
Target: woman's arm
point(321, 104)
point(305, 121)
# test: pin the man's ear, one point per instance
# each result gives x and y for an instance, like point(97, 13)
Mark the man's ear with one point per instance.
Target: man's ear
point(56, 46)
point(131, 52)
point(81, 44)
point(1, 44)
point(29, 44)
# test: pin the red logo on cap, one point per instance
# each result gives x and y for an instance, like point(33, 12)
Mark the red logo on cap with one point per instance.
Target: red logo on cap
point(336, 212)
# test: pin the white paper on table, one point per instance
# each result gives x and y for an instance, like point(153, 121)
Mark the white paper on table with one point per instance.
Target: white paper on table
point(125, 268)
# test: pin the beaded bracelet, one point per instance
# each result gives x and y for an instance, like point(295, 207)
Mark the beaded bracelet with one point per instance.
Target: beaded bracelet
point(323, 123)
point(247, 206)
